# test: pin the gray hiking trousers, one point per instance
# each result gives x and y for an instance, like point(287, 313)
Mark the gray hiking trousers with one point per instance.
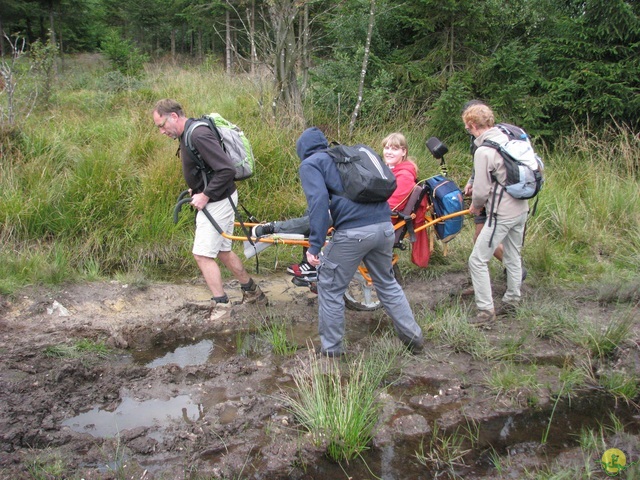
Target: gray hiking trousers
point(373, 245)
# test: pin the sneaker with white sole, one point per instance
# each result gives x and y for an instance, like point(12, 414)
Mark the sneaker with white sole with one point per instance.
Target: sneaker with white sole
point(302, 269)
point(262, 230)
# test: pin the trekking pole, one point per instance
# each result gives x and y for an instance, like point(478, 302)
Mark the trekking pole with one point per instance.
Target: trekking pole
point(178, 207)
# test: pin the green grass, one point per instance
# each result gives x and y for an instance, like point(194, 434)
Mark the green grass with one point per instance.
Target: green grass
point(448, 326)
point(514, 382)
point(46, 465)
point(80, 348)
point(548, 317)
point(446, 451)
point(106, 183)
point(622, 385)
point(274, 331)
point(338, 402)
point(603, 336)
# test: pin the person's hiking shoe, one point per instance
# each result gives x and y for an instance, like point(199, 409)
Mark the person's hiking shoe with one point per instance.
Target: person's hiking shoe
point(467, 292)
point(507, 310)
point(415, 348)
point(302, 269)
point(323, 353)
point(256, 295)
point(262, 230)
point(483, 318)
point(311, 282)
point(219, 311)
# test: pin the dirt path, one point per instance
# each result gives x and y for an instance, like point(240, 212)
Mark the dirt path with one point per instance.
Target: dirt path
point(83, 416)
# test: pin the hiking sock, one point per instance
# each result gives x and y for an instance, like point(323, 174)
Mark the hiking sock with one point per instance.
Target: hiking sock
point(223, 299)
point(250, 286)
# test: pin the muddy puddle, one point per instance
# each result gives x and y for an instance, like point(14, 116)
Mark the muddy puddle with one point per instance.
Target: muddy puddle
point(177, 399)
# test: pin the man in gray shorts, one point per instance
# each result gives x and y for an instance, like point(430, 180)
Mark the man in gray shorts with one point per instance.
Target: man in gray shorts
point(215, 196)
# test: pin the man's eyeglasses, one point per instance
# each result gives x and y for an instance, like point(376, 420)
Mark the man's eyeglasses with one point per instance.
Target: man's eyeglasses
point(162, 124)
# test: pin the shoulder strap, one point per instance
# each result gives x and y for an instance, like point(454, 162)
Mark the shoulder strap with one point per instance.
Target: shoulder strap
point(491, 144)
point(194, 152)
point(189, 133)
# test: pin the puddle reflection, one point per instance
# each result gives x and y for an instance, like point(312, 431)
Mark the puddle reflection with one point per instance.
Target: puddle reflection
point(184, 354)
point(131, 414)
point(196, 354)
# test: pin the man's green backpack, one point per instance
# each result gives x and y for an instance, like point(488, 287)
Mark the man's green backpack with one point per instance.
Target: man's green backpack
point(232, 139)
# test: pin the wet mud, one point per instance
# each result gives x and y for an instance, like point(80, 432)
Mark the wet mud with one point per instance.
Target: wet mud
point(176, 396)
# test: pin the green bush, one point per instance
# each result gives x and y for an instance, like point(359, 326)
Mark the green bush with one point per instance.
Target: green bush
point(123, 54)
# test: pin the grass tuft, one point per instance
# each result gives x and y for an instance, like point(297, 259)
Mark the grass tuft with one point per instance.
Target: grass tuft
point(602, 338)
point(445, 451)
point(515, 382)
point(448, 326)
point(340, 409)
point(81, 348)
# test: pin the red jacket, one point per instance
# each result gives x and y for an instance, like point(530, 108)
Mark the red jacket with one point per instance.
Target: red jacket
point(406, 178)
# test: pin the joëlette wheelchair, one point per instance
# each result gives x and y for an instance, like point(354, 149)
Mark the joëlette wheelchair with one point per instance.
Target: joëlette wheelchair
point(417, 214)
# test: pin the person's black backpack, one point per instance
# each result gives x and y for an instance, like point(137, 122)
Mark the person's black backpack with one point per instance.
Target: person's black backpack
point(365, 177)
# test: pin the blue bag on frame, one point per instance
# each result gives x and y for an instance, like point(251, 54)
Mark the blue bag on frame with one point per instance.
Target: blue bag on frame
point(446, 198)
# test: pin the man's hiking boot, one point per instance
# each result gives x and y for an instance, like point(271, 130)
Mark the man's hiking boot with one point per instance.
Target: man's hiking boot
point(322, 353)
point(254, 296)
point(507, 310)
point(302, 269)
point(219, 311)
point(262, 230)
point(483, 318)
point(415, 348)
point(467, 292)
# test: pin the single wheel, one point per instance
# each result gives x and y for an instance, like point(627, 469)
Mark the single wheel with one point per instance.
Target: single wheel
point(360, 296)
point(398, 274)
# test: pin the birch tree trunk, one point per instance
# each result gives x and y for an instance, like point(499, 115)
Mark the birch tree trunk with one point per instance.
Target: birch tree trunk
point(287, 101)
point(365, 63)
point(228, 48)
point(251, 16)
point(306, 56)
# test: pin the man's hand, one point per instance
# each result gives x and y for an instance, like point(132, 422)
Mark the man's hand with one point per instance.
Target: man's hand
point(199, 201)
point(468, 189)
point(313, 260)
point(473, 210)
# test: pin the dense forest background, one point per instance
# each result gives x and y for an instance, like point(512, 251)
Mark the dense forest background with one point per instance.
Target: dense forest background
point(88, 185)
point(548, 65)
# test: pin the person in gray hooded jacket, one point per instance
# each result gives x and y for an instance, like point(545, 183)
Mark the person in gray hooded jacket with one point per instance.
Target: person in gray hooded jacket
point(363, 232)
